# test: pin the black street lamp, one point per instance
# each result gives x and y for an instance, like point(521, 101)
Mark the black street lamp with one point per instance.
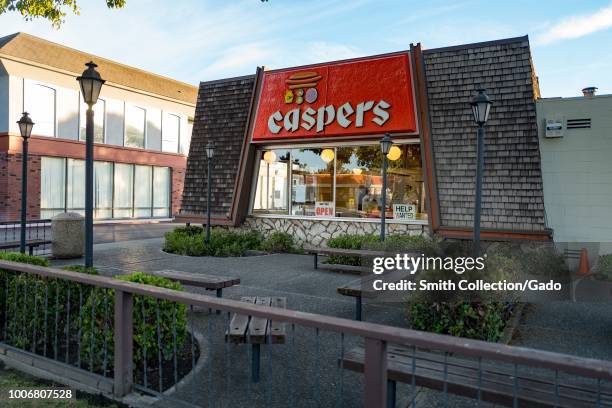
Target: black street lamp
point(385, 146)
point(210, 151)
point(25, 128)
point(481, 105)
point(91, 83)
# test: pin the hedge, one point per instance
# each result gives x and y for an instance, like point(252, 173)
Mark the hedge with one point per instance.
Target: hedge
point(191, 241)
point(100, 327)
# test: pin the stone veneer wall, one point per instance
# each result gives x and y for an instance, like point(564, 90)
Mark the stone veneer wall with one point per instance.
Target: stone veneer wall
point(317, 232)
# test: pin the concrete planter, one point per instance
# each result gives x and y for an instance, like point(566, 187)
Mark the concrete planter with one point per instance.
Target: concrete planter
point(68, 232)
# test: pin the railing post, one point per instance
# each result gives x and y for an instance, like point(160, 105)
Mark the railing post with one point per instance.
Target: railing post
point(123, 343)
point(375, 370)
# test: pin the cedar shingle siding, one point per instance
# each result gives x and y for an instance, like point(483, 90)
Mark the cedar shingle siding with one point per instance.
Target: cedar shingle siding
point(512, 190)
point(221, 116)
point(512, 185)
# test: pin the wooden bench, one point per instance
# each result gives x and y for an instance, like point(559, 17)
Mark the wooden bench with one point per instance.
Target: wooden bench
point(363, 287)
point(31, 244)
point(208, 282)
point(257, 330)
point(360, 253)
point(495, 381)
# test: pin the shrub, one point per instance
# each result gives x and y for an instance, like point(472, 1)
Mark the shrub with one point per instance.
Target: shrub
point(482, 321)
point(604, 267)
point(350, 241)
point(98, 324)
point(39, 310)
point(393, 243)
point(191, 241)
point(23, 258)
point(279, 242)
point(473, 314)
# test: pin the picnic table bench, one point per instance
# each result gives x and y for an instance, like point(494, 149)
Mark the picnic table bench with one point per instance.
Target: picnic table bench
point(208, 282)
point(363, 287)
point(360, 253)
point(31, 244)
point(257, 330)
point(496, 382)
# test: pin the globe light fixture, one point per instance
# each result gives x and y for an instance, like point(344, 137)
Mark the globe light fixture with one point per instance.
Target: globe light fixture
point(327, 155)
point(394, 153)
point(269, 157)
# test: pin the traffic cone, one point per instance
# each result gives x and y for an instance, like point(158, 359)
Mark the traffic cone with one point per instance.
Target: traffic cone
point(583, 266)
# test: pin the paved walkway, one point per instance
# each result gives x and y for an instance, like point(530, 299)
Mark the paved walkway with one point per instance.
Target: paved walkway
point(305, 368)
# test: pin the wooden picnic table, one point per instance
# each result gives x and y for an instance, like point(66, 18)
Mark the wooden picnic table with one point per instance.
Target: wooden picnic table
point(363, 287)
point(257, 330)
point(208, 282)
point(359, 253)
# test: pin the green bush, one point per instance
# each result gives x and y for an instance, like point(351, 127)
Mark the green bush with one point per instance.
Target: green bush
point(472, 314)
point(39, 310)
point(475, 320)
point(23, 258)
point(98, 324)
point(393, 243)
point(350, 241)
point(604, 267)
point(279, 242)
point(191, 241)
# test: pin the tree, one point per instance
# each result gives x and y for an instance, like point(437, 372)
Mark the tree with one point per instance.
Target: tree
point(52, 10)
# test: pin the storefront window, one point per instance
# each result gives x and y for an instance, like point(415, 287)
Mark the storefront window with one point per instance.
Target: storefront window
point(312, 172)
point(342, 182)
point(272, 183)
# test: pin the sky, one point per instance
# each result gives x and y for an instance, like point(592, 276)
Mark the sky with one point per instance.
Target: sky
point(199, 40)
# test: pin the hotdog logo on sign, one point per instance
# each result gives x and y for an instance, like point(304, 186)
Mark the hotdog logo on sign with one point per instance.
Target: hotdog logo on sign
point(368, 96)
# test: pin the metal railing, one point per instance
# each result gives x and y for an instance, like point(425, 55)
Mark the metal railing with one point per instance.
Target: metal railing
point(309, 336)
point(36, 230)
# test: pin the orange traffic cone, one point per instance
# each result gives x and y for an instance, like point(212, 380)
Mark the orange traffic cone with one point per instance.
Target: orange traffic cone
point(583, 266)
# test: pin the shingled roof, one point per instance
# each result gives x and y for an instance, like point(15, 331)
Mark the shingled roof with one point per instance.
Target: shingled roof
point(512, 189)
point(512, 184)
point(220, 117)
point(34, 49)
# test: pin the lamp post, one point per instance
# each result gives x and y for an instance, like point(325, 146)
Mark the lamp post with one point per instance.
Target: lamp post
point(481, 105)
point(91, 84)
point(25, 128)
point(210, 150)
point(385, 147)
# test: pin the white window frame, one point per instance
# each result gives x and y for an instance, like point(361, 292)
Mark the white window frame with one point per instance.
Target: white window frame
point(125, 109)
point(32, 82)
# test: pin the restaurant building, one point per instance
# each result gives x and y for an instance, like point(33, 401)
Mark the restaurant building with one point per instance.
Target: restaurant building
point(142, 132)
point(297, 149)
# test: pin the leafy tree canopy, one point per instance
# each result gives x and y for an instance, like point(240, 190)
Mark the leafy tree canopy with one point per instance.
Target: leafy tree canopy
point(52, 10)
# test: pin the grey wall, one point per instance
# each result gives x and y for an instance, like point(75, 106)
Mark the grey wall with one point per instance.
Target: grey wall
point(4, 103)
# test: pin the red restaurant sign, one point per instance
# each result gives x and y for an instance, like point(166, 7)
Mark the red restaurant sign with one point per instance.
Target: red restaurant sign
point(359, 97)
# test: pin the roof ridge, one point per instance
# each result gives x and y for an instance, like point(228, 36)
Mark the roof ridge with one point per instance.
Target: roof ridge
point(93, 56)
point(479, 44)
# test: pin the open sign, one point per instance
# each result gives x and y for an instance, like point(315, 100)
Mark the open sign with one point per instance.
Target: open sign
point(324, 209)
point(404, 211)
